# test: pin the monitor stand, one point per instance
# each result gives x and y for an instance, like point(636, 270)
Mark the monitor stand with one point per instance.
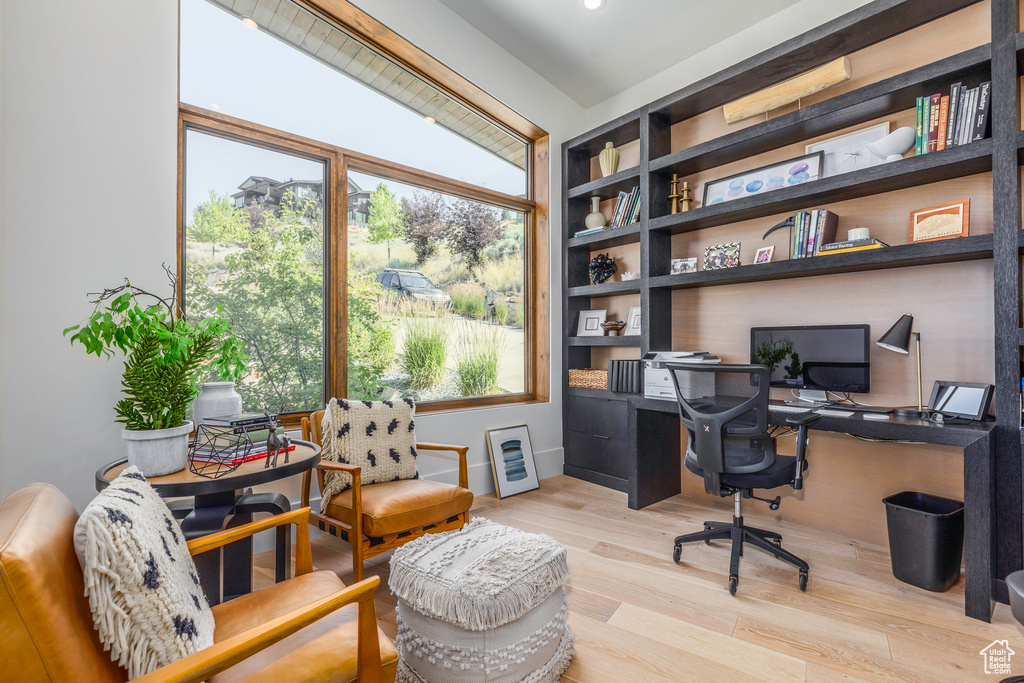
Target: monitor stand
point(810, 398)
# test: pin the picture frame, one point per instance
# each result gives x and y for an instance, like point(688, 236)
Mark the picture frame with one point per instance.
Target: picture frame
point(633, 323)
point(684, 265)
point(848, 152)
point(764, 254)
point(777, 176)
point(943, 222)
point(512, 462)
point(589, 324)
point(721, 256)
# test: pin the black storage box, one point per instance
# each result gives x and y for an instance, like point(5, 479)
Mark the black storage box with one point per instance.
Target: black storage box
point(926, 539)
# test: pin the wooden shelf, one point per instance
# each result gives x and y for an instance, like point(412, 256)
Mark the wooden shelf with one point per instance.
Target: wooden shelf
point(605, 341)
point(619, 131)
point(919, 170)
point(969, 248)
point(627, 234)
point(598, 393)
point(606, 289)
point(607, 188)
point(864, 104)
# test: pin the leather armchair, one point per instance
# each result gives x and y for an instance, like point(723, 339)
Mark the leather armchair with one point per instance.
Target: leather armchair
point(308, 628)
point(376, 518)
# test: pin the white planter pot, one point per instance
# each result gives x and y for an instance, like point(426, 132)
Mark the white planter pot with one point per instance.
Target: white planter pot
point(157, 452)
point(215, 399)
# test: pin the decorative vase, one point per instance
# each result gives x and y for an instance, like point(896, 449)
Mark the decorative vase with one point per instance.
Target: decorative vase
point(609, 159)
point(157, 452)
point(894, 145)
point(215, 399)
point(595, 219)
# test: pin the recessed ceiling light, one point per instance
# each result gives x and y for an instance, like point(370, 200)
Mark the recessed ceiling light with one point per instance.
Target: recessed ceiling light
point(429, 119)
point(593, 4)
point(252, 24)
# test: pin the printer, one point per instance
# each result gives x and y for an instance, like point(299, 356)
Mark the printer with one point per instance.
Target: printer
point(657, 378)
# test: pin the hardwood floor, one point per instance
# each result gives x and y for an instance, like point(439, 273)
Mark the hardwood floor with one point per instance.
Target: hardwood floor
point(639, 617)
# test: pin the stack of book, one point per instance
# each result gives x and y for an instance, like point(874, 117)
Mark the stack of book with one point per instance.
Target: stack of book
point(851, 245)
point(811, 230)
point(626, 211)
point(625, 376)
point(955, 119)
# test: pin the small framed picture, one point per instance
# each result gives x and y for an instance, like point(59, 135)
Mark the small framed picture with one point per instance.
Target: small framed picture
point(684, 265)
point(512, 463)
point(766, 179)
point(941, 222)
point(722, 256)
point(764, 254)
point(632, 322)
point(849, 152)
point(590, 324)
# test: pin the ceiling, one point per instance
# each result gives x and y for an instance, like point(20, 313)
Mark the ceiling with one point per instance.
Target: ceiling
point(592, 55)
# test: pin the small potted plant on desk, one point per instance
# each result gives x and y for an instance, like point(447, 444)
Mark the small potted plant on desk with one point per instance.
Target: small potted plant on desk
point(164, 358)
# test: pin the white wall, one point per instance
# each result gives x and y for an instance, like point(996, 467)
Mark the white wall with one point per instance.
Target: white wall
point(3, 166)
point(778, 28)
point(91, 99)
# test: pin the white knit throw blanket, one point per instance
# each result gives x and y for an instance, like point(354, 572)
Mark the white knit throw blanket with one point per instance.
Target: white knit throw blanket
point(480, 577)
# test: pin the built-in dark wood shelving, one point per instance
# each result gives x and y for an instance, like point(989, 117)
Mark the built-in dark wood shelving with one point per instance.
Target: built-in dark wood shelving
point(607, 188)
point(627, 234)
point(943, 251)
point(864, 104)
point(619, 131)
point(605, 341)
point(597, 393)
point(918, 170)
point(606, 289)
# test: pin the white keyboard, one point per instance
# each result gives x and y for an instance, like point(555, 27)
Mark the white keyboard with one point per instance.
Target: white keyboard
point(790, 409)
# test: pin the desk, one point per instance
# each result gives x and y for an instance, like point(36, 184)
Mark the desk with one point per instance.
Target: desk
point(655, 465)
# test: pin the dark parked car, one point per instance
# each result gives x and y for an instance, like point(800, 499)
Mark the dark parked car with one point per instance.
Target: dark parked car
point(411, 284)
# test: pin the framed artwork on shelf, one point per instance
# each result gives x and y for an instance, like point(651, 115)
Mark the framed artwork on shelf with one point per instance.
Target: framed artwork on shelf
point(632, 323)
point(849, 152)
point(722, 256)
point(764, 254)
point(590, 323)
point(512, 463)
point(765, 179)
point(941, 222)
point(684, 265)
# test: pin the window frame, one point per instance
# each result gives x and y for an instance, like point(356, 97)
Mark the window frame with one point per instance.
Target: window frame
point(339, 160)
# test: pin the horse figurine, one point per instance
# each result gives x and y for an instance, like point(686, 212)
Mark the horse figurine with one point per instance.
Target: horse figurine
point(275, 443)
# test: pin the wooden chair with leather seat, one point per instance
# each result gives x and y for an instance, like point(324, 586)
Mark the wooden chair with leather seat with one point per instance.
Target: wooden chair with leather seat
point(376, 518)
point(308, 628)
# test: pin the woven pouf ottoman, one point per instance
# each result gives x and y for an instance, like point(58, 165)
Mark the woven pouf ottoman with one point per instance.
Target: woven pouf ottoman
point(484, 603)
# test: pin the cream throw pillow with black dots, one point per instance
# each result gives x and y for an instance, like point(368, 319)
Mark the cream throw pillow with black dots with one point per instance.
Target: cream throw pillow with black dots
point(379, 437)
point(141, 582)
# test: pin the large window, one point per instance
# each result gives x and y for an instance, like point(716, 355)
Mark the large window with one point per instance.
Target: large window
point(369, 235)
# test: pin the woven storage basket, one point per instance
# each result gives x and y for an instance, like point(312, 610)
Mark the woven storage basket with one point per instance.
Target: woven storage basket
point(588, 378)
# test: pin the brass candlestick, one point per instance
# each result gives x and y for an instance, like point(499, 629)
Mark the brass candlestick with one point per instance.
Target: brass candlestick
point(675, 196)
point(687, 198)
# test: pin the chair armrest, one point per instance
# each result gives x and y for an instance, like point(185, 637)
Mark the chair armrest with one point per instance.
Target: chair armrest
point(461, 450)
point(339, 466)
point(212, 660)
point(300, 518)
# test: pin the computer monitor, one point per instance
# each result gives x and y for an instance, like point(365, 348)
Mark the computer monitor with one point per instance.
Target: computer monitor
point(815, 357)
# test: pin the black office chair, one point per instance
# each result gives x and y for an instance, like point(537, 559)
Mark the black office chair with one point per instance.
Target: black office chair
point(725, 410)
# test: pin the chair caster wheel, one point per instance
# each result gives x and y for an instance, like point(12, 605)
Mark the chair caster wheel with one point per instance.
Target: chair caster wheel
point(733, 582)
point(675, 554)
point(777, 541)
point(803, 580)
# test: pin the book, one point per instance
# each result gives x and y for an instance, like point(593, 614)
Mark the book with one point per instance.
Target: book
point(634, 197)
point(207, 456)
point(866, 247)
point(588, 231)
point(846, 244)
point(982, 115)
point(954, 100)
point(237, 420)
point(926, 117)
point(960, 97)
point(933, 123)
point(797, 233)
point(636, 208)
point(827, 227)
point(617, 213)
point(918, 148)
point(970, 102)
point(943, 122)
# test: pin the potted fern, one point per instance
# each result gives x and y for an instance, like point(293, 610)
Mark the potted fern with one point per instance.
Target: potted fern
point(165, 356)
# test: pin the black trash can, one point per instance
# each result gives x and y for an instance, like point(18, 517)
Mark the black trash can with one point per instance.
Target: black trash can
point(926, 539)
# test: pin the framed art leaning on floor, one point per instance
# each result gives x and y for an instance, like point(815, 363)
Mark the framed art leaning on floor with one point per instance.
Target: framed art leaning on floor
point(512, 463)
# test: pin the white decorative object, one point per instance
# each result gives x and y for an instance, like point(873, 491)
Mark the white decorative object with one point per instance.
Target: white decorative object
point(849, 152)
point(484, 603)
point(633, 327)
point(589, 324)
point(609, 160)
point(377, 436)
point(629, 276)
point(142, 585)
point(157, 452)
point(893, 146)
point(216, 399)
point(512, 462)
point(858, 234)
point(595, 219)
